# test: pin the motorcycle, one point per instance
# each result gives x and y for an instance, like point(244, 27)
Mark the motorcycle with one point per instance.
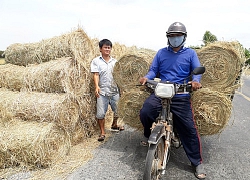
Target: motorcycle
point(162, 136)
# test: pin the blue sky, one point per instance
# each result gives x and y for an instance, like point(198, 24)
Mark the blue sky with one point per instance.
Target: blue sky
point(142, 23)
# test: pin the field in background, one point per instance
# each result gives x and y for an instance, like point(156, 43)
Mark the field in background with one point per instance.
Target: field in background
point(2, 61)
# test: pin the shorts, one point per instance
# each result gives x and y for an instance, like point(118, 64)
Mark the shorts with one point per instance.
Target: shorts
point(102, 105)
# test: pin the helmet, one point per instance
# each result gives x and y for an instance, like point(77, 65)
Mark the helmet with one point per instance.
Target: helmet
point(177, 27)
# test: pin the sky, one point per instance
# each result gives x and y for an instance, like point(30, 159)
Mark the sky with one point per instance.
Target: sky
point(141, 23)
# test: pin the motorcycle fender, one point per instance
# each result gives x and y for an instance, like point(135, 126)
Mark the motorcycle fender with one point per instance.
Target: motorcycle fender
point(156, 134)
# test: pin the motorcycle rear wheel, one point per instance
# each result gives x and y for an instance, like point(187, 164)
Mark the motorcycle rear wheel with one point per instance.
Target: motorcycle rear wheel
point(154, 161)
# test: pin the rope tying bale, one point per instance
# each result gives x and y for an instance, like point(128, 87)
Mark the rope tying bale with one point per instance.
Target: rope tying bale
point(31, 144)
point(75, 44)
point(63, 75)
point(212, 111)
point(223, 62)
point(129, 69)
point(129, 106)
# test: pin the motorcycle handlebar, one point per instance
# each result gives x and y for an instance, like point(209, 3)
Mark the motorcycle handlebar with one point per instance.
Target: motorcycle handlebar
point(179, 88)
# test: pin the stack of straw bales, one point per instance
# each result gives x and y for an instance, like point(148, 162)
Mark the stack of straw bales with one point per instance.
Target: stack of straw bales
point(213, 103)
point(45, 95)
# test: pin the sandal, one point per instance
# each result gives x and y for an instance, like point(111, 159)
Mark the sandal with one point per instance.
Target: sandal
point(199, 171)
point(101, 138)
point(144, 141)
point(117, 128)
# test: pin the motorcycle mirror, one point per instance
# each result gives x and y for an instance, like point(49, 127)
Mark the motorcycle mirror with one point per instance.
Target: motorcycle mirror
point(199, 70)
point(196, 71)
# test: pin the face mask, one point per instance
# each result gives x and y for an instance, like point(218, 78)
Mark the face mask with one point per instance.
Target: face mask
point(176, 41)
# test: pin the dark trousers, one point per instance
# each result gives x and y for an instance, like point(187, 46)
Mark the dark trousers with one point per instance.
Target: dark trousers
point(183, 122)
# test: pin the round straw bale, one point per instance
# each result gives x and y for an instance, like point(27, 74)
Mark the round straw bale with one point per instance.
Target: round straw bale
point(32, 106)
point(129, 69)
point(75, 44)
point(5, 116)
point(223, 64)
point(56, 76)
point(129, 107)
point(31, 144)
point(11, 77)
point(119, 50)
point(95, 42)
point(212, 111)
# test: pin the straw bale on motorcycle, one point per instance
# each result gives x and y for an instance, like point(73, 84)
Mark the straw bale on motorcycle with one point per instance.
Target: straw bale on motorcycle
point(224, 63)
point(130, 67)
point(127, 71)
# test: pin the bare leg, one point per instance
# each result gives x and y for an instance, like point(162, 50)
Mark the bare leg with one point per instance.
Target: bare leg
point(101, 123)
point(114, 124)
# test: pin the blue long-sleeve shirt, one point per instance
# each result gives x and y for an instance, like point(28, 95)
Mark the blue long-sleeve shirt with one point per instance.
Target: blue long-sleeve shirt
point(174, 66)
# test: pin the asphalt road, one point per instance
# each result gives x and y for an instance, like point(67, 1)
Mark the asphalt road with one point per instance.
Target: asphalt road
point(226, 156)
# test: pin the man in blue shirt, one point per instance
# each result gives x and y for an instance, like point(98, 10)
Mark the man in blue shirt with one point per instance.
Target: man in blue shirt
point(174, 63)
point(106, 90)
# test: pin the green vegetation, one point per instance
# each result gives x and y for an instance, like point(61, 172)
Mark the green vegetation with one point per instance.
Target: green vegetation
point(208, 37)
point(247, 55)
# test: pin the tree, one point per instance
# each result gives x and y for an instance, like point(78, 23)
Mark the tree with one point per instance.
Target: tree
point(208, 37)
point(247, 55)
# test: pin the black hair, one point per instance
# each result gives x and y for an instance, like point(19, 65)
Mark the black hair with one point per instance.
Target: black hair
point(106, 42)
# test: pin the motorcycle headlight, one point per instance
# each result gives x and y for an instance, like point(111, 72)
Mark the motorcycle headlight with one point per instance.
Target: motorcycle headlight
point(164, 90)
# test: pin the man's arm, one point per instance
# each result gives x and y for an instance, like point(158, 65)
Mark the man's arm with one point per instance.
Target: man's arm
point(96, 82)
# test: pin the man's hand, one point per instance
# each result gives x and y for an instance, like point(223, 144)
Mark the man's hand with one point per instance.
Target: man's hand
point(97, 92)
point(195, 85)
point(143, 80)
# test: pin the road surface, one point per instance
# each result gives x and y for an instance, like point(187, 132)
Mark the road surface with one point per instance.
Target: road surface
point(226, 156)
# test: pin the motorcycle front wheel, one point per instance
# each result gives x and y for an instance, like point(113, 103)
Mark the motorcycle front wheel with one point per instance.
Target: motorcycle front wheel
point(154, 161)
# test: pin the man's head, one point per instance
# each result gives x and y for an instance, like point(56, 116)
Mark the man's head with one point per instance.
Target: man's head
point(176, 34)
point(105, 46)
point(105, 42)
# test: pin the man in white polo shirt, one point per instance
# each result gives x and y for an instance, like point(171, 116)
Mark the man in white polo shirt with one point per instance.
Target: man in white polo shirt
point(106, 90)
